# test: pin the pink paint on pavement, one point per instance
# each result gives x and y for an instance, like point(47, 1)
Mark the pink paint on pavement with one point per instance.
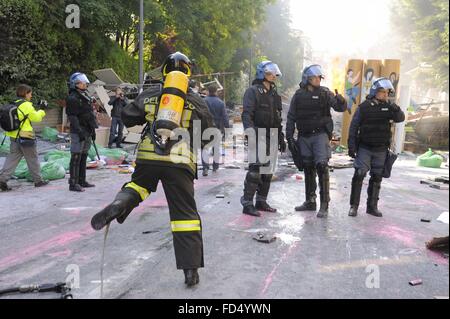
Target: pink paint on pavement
point(62, 240)
point(243, 221)
point(405, 236)
point(62, 253)
point(269, 279)
point(437, 257)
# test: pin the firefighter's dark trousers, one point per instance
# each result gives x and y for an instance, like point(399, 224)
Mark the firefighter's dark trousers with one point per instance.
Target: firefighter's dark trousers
point(178, 184)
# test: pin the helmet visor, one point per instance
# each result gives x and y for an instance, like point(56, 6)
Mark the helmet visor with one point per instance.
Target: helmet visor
point(81, 78)
point(385, 84)
point(272, 68)
point(314, 70)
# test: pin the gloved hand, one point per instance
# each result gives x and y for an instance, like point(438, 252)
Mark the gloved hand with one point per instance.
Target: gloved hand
point(394, 108)
point(94, 136)
point(352, 152)
point(293, 147)
point(340, 98)
point(282, 143)
point(82, 137)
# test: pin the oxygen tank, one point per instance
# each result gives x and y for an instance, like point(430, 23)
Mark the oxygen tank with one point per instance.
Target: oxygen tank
point(171, 105)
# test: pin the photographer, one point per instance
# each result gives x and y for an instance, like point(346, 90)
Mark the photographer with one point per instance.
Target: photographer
point(23, 140)
point(118, 102)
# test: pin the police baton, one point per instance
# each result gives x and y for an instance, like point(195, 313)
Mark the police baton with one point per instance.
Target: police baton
point(96, 151)
point(95, 147)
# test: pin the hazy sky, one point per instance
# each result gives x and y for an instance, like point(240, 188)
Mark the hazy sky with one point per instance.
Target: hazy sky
point(344, 26)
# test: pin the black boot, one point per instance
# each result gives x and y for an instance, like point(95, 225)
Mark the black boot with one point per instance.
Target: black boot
point(355, 196)
point(251, 210)
point(74, 169)
point(324, 184)
point(125, 201)
point(262, 193)
point(263, 206)
point(310, 191)
point(373, 196)
point(4, 187)
point(191, 277)
point(83, 163)
point(251, 184)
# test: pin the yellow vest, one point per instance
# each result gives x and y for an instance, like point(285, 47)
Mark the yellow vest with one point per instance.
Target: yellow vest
point(24, 109)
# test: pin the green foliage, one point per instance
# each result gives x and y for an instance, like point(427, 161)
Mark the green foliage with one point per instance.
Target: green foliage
point(38, 49)
point(277, 42)
point(424, 24)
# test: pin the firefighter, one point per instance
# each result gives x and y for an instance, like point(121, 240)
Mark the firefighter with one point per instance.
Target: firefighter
point(310, 113)
point(262, 110)
point(369, 140)
point(159, 159)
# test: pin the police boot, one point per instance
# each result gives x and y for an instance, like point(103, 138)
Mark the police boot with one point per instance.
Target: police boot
point(324, 183)
point(74, 169)
point(251, 184)
point(191, 277)
point(4, 187)
point(310, 190)
point(125, 201)
point(373, 196)
point(355, 196)
point(83, 183)
point(263, 192)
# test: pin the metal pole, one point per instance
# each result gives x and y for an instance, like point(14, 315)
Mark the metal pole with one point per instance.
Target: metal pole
point(141, 46)
point(251, 59)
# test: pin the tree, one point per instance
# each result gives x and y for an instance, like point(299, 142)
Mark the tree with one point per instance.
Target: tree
point(277, 41)
point(424, 26)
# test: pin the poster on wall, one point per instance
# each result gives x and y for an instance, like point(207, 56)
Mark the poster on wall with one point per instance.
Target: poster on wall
point(353, 81)
point(372, 71)
point(391, 70)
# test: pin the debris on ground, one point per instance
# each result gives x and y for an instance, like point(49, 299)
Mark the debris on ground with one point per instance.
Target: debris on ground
point(264, 238)
point(437, 183)
point(443, 218)
point(416, 282)
point(440, 245)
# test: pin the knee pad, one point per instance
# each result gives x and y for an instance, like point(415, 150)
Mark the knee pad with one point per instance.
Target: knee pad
point(376, 178)
point(322, 167)
point(360, 174)
point(254, 177)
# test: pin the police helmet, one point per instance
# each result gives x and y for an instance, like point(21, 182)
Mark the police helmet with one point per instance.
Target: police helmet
point(77, 78)
point(311, 71)
point(379, 84)
point(267, 67)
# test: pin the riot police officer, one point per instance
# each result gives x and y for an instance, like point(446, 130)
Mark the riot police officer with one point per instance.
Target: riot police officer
point(262, 110)
point(175, 165)
point(369, 140)
point(310, 113)
point(83, 123)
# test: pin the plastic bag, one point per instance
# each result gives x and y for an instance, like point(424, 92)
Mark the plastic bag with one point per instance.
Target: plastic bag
point(50, 134)
point(64, 162)
point(50, 171)
point(430, 159)
point(4, 149)
point(55, 154)
point(21, 171)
